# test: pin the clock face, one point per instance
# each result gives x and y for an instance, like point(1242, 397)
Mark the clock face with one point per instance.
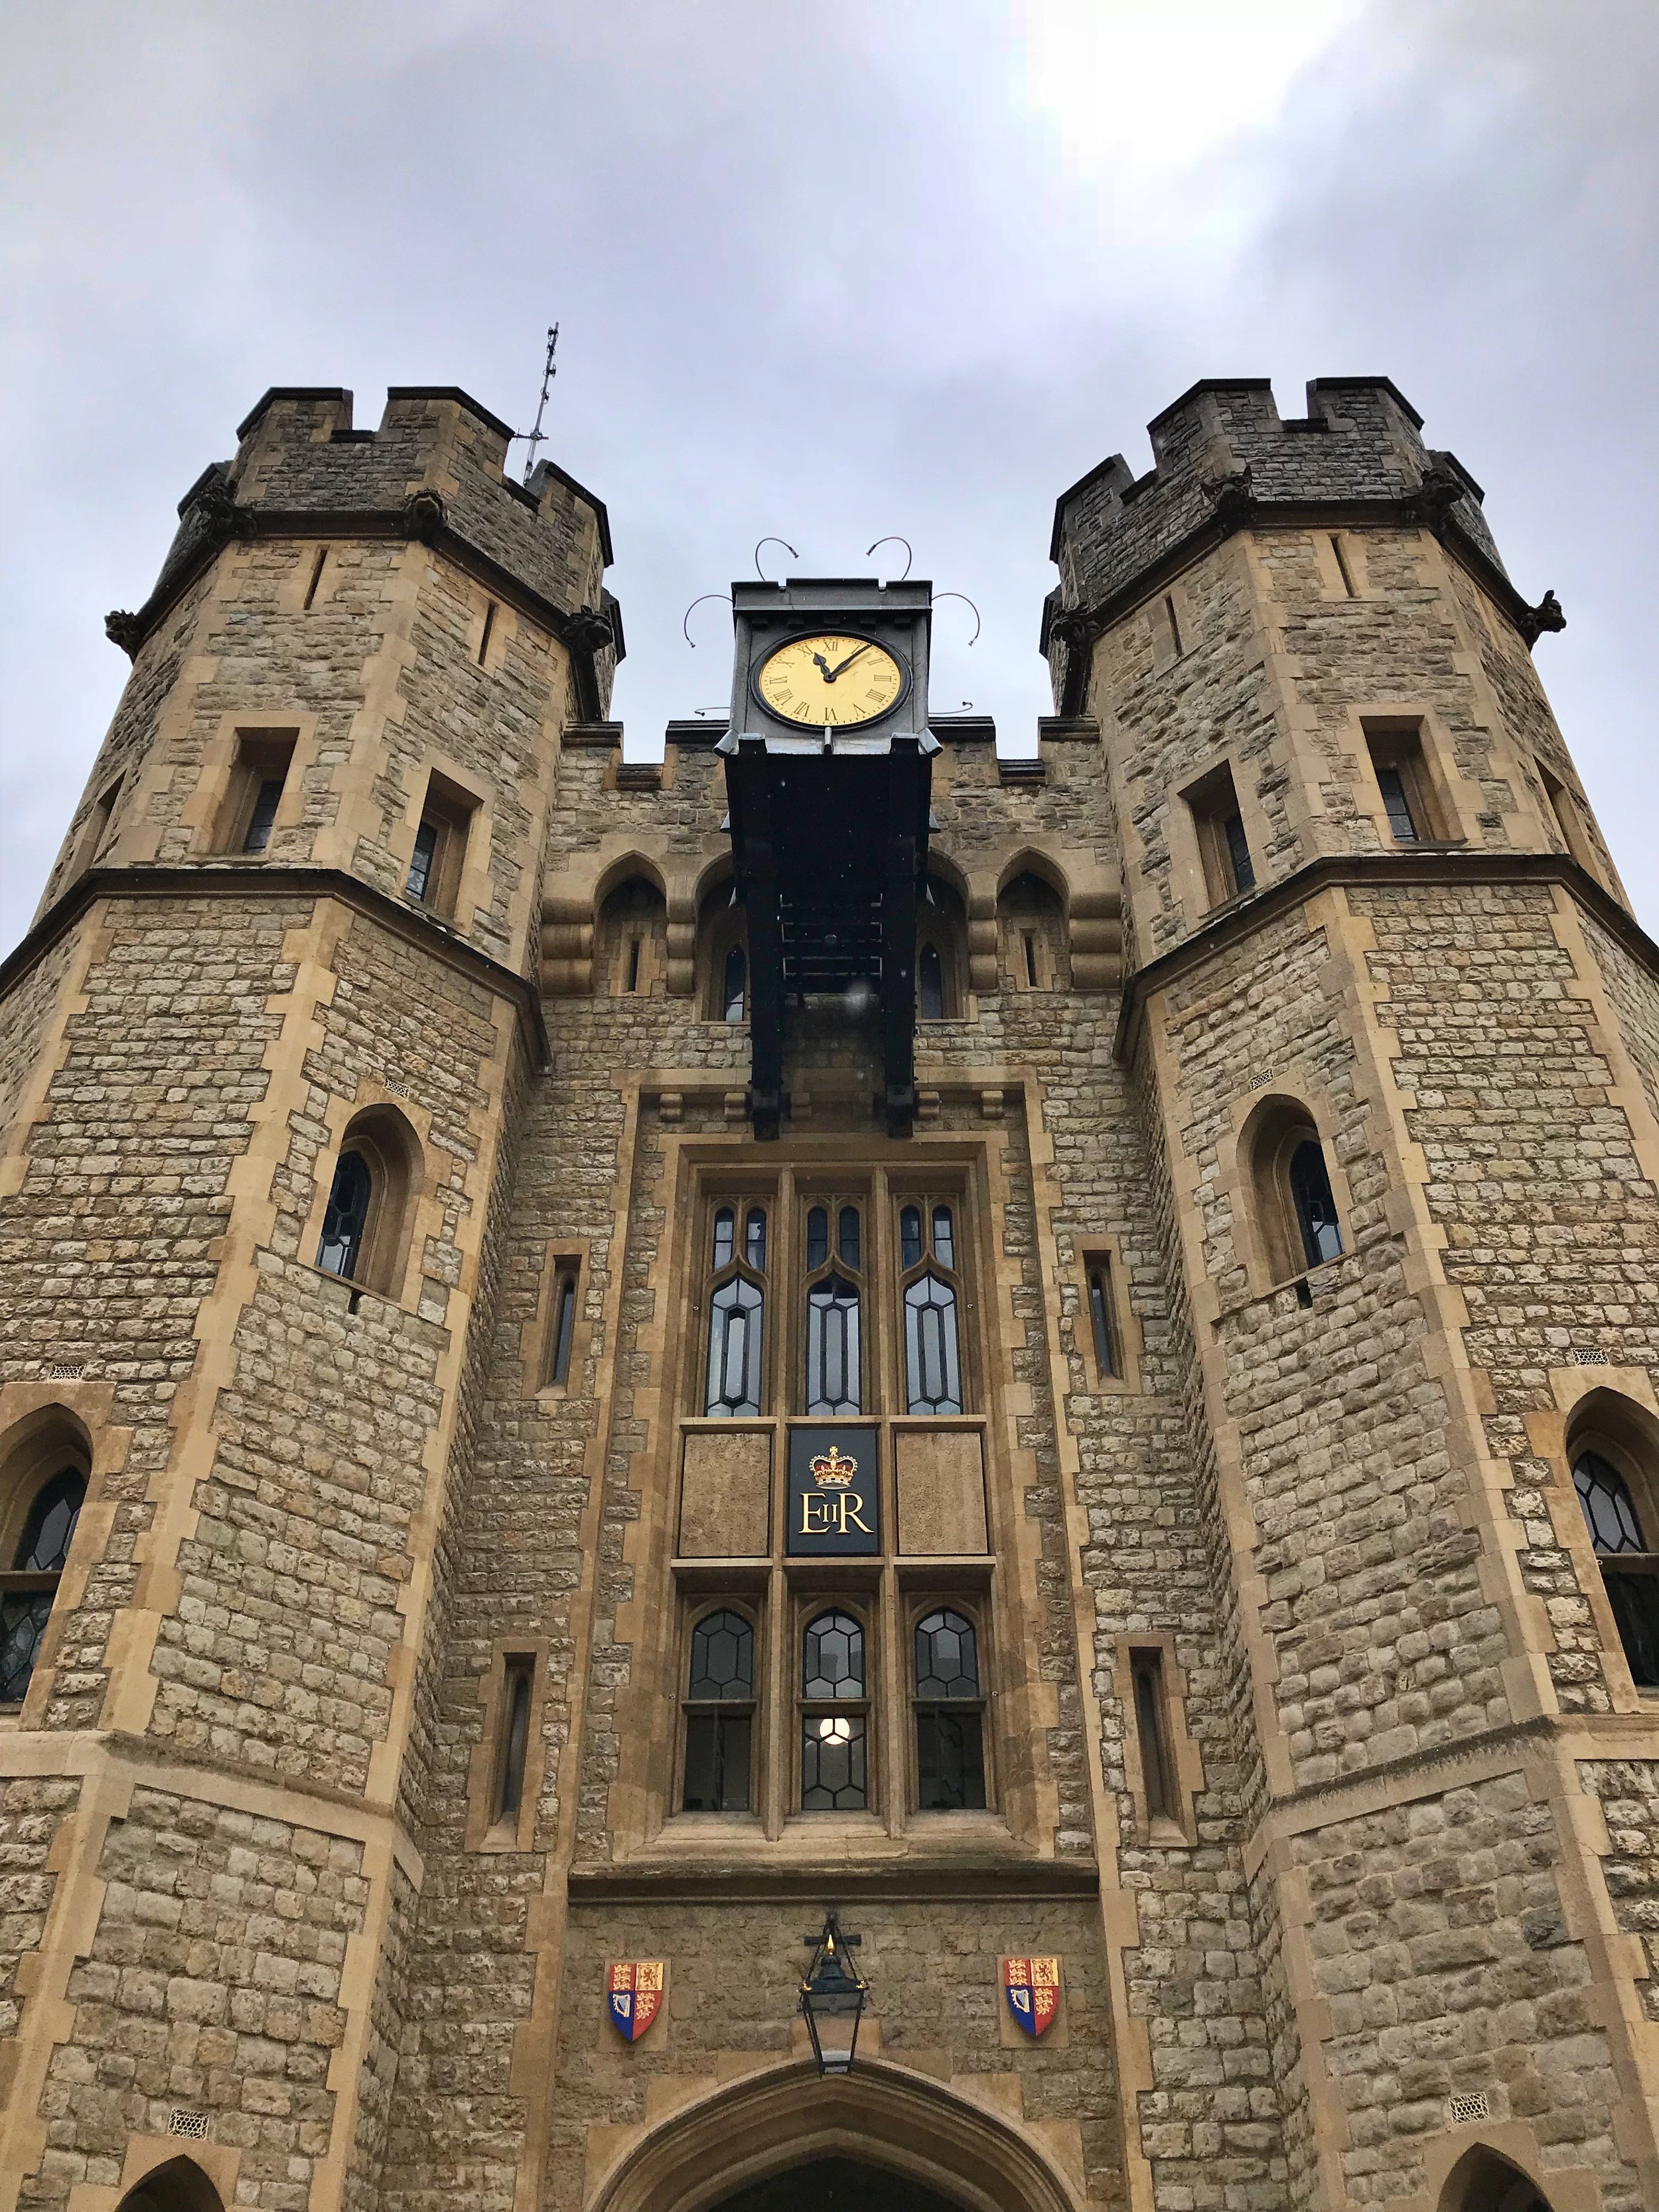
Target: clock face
point(832, 679)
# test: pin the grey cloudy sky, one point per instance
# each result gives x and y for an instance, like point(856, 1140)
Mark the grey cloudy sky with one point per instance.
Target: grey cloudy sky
point(827, 270)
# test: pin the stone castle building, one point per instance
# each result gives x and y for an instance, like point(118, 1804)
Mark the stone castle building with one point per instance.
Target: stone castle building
point(1054, 1357)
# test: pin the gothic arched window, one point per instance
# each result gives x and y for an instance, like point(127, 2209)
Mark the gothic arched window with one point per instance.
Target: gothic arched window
point(835, 1368)
point(29, 1587)
point(719, 1705)
point(933, 1351)
point(346, 1221)
point(835, 1716)
point(1614, 1514)
point(949, 1708)
point(367, 1221)
point(737, 1312)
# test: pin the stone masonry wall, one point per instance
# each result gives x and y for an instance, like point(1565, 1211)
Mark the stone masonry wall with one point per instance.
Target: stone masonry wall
point(212, 1982)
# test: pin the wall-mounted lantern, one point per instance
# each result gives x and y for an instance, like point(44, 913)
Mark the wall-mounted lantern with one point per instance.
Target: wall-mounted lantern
point(832, 1993)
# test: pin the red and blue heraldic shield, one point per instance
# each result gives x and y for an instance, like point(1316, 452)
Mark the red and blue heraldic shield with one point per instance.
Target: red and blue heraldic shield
point(1032, 1988)
point(635, 1995)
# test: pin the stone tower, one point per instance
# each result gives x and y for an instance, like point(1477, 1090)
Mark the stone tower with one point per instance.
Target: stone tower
point(447, 1686)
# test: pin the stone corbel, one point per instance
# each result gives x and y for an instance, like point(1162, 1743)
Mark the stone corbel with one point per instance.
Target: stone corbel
point(681, 945)
point(1096, 939)
point(982, 941)
point(566, 963)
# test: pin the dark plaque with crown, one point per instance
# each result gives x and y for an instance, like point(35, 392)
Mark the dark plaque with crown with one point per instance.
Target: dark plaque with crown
point(835, 1497)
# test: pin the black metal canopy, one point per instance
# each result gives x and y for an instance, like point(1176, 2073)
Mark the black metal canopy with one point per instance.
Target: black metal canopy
point(830, 838)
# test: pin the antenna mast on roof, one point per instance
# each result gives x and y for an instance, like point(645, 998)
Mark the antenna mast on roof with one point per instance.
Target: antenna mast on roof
point(539, 436)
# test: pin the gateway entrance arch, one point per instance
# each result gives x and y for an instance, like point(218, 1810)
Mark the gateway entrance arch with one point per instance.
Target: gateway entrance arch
point(880, 2140)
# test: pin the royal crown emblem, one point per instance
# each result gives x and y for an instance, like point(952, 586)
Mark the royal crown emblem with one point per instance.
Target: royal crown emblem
point(832, 1470)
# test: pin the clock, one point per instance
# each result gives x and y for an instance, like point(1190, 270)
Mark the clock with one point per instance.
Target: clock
point(830, 679)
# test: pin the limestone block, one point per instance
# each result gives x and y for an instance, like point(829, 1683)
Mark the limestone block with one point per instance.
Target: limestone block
point(941, 1478)
point(726, 1494)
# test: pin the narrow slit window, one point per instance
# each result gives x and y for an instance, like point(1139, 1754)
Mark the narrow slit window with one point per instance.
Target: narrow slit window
point(1342, 568)
point(1029, 937)
point(564, 1327)
point(518, 1682)
point(488, 625)
point(1403, 784)
point(1224, 848)
point(846, 1237)
point(1174, 621)
point(930, 984)
point(910, 1236)
point(817, 1235)
point(1101, 1318)
point(263, 818)
point(754, 1232)
point(633, 964)
point(1151, 1734)
point(436, 863)
point(1238, 851)
point(719, 1714)
point(1397, 805)
point(318, 567)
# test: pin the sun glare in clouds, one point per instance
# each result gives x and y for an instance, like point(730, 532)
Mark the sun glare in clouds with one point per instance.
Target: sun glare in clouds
point(1140, 90)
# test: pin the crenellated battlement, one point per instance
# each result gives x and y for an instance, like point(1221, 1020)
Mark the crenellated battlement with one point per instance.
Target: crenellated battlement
point(434, 470)
point(1223, 455)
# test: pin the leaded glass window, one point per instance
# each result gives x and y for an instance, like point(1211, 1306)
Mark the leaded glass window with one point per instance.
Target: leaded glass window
point(735, 1380)
point(932, 1348)
point(1615, 1528)
point(719, 1714)
point(950, 1728)
point(1609, 1508)
point(27, 1592)
point(834, 1750)
point(340, 1248)
point(834, 1382)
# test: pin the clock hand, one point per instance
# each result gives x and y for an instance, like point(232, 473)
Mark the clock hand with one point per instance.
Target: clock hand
point(830, 674)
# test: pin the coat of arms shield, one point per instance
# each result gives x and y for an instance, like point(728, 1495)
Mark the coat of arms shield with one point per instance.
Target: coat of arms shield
point(633, 1996)
point(1032, 1988)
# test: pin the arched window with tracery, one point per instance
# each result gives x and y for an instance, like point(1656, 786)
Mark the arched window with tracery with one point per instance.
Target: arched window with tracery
point(367, 1219)
point(948, 1712)
point(44, 1488)
point(1615, 1497)
point(930, 1290)
point(734, 1382)
point(835, 1769)
point(835, 1305)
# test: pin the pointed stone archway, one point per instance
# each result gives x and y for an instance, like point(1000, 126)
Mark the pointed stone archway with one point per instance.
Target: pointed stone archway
point(904, 2126)
point(179, 2186)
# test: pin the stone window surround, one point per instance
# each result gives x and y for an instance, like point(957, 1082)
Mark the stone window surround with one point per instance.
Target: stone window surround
point(1612, 1411)
point(397, 1237)
point(1185, 1760)
point(564, 1256)
point(42, 1425)
point(1294, 1090)
point(513, 1832)
point(1090, 1249)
